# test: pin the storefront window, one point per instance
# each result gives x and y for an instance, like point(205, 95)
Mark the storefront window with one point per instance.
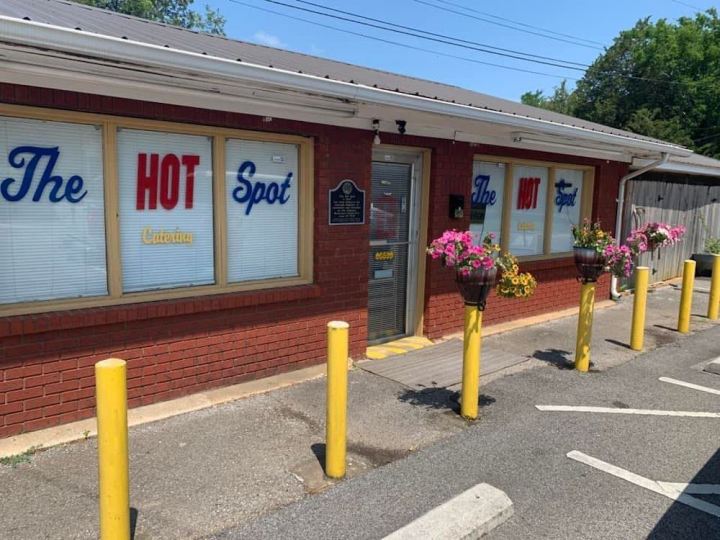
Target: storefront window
point(52, 217)
point(261, 186)
point(527, 219)
point(486, 202)
point(100, 207)
point(566, 205)
point(166, 211)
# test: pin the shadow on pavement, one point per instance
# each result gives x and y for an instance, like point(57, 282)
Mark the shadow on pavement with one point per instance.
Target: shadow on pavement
point(439, 398)
point(557, 357)
point(618, 343)
point(133, 521)
point(432, 398)
point(318, 449)
point(682, 521)
point(665, 327)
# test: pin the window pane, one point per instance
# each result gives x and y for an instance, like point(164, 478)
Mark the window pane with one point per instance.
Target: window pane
point(567, 197)
point(166, 213)
point(52, 219)
point(527, 220)
point(486, 203)
point(261, 183)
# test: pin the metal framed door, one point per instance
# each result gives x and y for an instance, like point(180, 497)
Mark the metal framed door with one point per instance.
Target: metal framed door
point(392, 248)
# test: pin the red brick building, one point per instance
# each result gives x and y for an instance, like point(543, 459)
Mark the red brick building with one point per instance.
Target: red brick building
point(182, 201)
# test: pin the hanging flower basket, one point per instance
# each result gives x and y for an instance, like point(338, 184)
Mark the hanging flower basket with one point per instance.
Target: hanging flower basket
point(477, 267)
point(476, 285)
point(589, 263)
point(589, 250)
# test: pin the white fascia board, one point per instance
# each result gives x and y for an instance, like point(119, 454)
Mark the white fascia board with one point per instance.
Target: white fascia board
point(64, 79)
point(34, 34)
point(578, 149)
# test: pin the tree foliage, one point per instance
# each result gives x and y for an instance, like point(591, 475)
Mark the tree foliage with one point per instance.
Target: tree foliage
point(561, 101)
point(658, 79)
point(174, 12)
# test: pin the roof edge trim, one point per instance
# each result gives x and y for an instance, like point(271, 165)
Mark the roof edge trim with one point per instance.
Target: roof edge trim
point(47, 36)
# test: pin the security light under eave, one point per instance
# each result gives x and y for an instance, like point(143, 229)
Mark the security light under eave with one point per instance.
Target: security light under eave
point(376, 129)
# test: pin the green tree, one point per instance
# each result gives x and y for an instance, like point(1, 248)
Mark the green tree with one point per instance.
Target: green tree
point(560, 101)
point(659, 79)
point(174, 12)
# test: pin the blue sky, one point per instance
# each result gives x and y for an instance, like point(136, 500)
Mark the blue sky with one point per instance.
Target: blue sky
point(594, 23)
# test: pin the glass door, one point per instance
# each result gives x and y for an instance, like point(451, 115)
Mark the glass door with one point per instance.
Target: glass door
point(390, 246)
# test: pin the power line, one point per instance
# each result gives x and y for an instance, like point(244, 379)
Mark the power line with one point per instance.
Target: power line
point(686, 5)
point(520, 23)
point(632, 77)
point(399, 44)
point(444, 39)
point(435, 52)
point(460, 40)
point(566, 38)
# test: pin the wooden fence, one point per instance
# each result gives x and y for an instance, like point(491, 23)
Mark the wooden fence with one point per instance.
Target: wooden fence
point(692, 201)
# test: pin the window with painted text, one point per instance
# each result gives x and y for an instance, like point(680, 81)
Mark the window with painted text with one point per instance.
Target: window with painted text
point(262, 205)
point(527, 218)
point(486, 202)
point(52, 213)
point(166, 210)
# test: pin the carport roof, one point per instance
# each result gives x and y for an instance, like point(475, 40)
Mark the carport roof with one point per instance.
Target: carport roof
point(694, 164)
point(70, 15)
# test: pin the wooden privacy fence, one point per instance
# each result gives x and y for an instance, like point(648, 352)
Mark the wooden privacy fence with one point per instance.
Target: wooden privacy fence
point(692, 201)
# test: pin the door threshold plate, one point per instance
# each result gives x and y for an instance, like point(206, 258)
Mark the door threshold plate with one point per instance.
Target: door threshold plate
point(398, 346)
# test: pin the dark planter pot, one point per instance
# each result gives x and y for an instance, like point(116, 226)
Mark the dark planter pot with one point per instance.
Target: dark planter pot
point(475, 287)
point(589, 263)
point(704, 262)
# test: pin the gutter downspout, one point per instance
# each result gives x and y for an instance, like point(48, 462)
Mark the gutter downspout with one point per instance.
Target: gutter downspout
point(664, 156)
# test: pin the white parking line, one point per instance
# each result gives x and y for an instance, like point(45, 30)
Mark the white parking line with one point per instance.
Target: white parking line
point(694, 489)
point(690, 385)
point(614, 410)
point(652, 485)
point(471, 514)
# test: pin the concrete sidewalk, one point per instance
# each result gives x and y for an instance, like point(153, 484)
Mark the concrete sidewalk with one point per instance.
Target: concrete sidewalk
point(552, 342)
point(201, 473)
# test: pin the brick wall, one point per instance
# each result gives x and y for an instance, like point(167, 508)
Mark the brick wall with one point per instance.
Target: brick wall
point(177, 347)
point(557, 285)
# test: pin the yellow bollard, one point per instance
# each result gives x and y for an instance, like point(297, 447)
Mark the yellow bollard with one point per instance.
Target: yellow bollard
point(714, 305)
point(637, 334)
point(688, 282)
point(470, 393)
point(337, 383)
point(584, 327)
point(111, 396)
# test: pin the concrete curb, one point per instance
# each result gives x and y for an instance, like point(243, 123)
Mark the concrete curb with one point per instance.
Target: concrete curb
point(470, 515)
point(713, 366)
point(84, 429)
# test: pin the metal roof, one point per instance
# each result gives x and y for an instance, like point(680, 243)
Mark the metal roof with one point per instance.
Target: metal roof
point(694, 164)
point(70, 15)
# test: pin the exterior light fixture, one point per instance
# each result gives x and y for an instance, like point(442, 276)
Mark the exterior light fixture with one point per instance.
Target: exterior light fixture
point(400, 126)
point(376, 129)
